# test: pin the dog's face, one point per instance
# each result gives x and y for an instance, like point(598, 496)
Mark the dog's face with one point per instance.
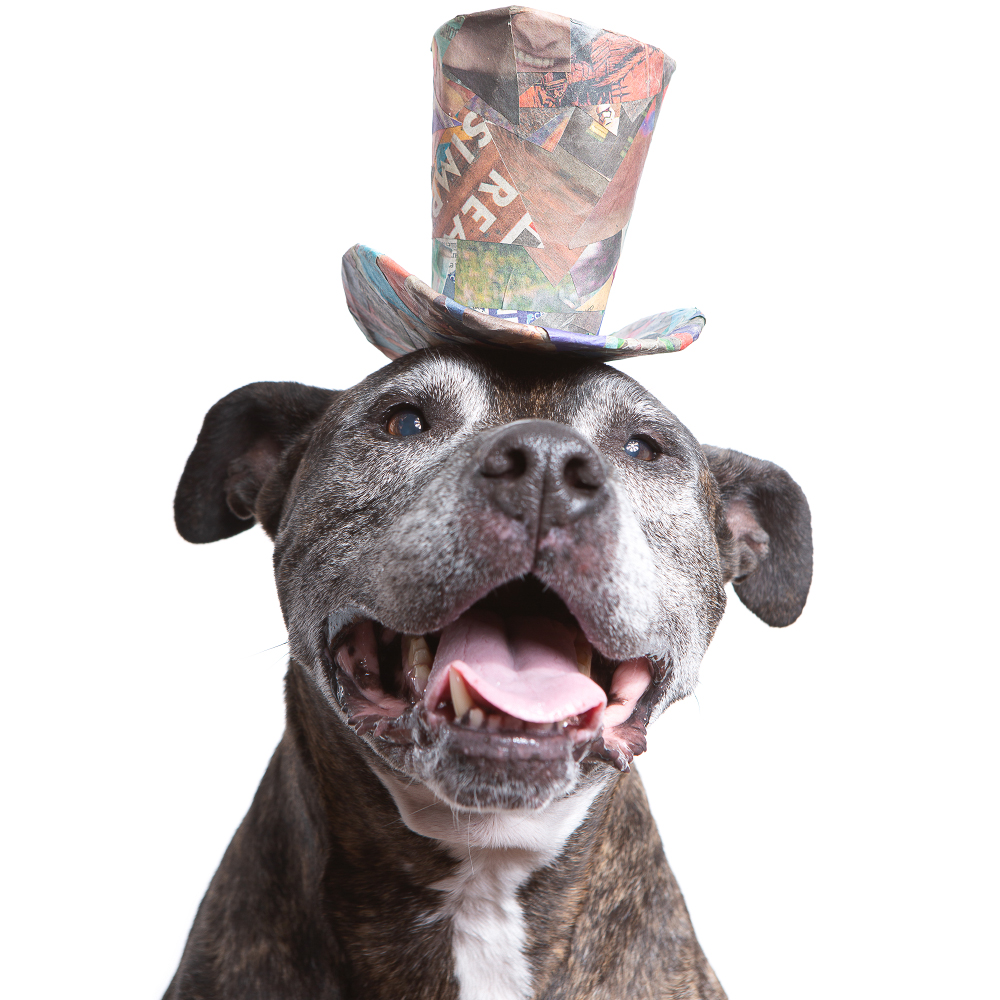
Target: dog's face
point(495, 568)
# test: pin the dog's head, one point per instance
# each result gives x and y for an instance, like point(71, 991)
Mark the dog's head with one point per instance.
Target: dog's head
point(496, 569)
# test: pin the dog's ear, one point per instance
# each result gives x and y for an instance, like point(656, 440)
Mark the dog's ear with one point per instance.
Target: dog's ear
point(246, 454)
point(765, 535)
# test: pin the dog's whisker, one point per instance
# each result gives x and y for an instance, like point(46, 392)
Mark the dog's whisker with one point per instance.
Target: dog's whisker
point(268, 649)
point(430, 805)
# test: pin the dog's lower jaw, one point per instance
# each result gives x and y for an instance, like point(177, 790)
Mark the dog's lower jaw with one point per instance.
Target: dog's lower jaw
point(483, 771)
point(479, 784)
point(472, 754)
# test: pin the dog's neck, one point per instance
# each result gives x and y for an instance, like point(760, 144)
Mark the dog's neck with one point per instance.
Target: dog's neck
point(408, 875)
point(497, 853)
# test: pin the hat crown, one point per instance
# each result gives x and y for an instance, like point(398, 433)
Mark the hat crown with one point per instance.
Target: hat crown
point(540, 133)
point(541, 129)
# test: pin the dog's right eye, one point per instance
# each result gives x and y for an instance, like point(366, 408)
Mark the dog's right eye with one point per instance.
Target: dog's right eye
point(405, 422)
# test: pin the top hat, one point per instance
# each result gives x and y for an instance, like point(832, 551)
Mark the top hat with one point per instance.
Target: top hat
point(540, 132)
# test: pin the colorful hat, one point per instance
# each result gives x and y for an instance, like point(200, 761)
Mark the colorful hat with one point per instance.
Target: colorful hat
point(540, 132)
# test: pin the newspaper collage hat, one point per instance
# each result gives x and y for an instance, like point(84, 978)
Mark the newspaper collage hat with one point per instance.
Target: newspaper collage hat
point(541, 127)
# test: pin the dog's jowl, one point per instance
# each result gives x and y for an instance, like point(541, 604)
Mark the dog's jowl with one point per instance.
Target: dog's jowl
point(494, 575)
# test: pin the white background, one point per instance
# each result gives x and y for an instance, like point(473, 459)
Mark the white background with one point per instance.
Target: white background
point(178, 181)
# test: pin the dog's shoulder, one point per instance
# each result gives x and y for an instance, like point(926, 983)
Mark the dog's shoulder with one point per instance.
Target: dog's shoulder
point(259, 930)
point(614, 887)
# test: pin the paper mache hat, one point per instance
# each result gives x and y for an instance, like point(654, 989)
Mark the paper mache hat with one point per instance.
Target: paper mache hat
point(540, 131)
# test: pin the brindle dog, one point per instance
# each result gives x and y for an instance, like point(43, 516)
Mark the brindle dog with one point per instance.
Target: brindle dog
point(495, 570)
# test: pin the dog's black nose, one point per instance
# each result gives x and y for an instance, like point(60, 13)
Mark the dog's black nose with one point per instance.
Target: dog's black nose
point(543, 469)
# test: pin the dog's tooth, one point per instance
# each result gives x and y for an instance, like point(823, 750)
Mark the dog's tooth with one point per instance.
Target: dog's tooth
point(417, 661)
point(420, 675)
point(416, 650)
point(460, 697)
point(538, 727)
point(476, 718)
point(494, 722)
point(584, 654)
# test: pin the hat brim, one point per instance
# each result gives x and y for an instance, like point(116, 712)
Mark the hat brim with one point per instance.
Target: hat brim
point(399, 313)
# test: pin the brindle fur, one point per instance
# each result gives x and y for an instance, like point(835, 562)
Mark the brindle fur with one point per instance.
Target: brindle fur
point(325, 892)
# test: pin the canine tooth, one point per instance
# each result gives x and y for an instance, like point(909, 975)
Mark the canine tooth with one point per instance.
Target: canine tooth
point(460, 697)
point(584, 654)
point(476, 718)
point(422, 656)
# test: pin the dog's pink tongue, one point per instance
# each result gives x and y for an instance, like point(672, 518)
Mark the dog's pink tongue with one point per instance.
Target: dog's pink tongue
point(525, 667)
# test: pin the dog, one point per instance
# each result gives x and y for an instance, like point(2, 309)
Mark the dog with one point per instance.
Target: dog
point(495, 572)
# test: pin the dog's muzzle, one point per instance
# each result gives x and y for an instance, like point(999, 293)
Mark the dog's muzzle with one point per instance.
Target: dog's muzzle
point(505, 679)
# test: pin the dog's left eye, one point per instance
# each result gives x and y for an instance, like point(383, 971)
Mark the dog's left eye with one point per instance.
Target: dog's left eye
point(639, 448)
point(403, 423)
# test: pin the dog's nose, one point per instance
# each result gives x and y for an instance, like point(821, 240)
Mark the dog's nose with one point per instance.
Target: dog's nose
point(542, 468)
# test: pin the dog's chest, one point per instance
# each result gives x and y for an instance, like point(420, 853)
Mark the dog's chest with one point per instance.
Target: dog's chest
point(488, 930)
point(496, 855)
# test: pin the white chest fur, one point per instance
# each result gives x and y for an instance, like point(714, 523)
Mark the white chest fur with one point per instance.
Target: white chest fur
point(497, 853)
point(488, 932)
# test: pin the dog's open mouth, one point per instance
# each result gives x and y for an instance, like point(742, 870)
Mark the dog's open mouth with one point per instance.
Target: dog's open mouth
point(513, 677)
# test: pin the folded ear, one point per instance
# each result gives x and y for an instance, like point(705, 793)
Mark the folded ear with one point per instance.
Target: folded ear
point(252, 437)
point(765, 537)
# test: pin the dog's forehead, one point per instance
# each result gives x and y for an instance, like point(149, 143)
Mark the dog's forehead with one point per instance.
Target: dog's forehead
point(500, 386)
